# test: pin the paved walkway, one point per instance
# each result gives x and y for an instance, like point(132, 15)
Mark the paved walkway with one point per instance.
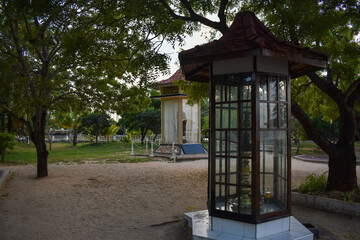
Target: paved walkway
point(329, 224)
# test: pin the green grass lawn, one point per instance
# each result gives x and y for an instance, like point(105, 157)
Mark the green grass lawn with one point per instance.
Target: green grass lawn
point(309, 147)
point(66, 152)
point(110, 152)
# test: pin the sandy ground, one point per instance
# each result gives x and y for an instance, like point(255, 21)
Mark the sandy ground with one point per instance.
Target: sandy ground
point(118, 201)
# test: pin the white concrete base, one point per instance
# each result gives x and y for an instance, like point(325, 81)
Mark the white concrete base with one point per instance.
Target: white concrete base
point(287, 228)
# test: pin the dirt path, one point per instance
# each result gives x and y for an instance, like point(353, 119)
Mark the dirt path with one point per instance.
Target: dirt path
point(109, 201)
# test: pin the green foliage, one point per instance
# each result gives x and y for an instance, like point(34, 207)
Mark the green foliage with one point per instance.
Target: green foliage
point(112, 130)
point(95, 124)
point(144, 121)
point(125, 139)
point(197, 92)
point(7, 141)
point(352, 196)
point(314, 184)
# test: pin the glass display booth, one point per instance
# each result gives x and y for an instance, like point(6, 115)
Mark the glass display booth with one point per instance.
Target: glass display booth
point(180, 122)
point(249, 157)
point(248, 70)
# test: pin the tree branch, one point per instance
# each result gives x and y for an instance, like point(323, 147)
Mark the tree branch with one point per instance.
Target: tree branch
point(327, 87)
point(353, 93)
point(311, 130)
point(221, 12)
point(194, 17)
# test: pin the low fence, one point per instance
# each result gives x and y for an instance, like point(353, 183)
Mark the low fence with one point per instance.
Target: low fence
point(86, 138)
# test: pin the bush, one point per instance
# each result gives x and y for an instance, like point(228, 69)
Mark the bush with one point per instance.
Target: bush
point(313, 184)
point(7, 141)
point(125, 139)
point(352, 196)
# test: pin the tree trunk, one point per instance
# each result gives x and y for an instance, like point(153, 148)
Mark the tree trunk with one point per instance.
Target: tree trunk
point(75, 139)
point(2, 122)
point(342, 159)
point(96, 138)
point(38, 138)
point(3, 156)
point(9, 124)
point(342, 169)
point(143, 135)
point(297, 141)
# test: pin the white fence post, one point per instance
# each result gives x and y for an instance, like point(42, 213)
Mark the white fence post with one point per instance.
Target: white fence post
point(173, 155)
point(152, 149)
point(132, 148)
point(146, 144)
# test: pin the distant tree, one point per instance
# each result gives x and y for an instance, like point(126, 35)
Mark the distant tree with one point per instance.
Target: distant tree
point(112, 130)
point(7, 141)
point(54, 52)
point(297, 133)
point(144, 121)
point(95, 124)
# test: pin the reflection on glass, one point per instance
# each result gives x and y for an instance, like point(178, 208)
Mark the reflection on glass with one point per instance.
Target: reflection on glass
point(273, 88)
point(233, 143)
point(232, 170)
point(245, 114)
point(263, 88)
point(245, 92)
point(273, 173)
point(273, 115)
point(282, 89)
point(234, 115)
point(220, 142)
point(225, 115)
point(218, 93)
point(220, 197)
point(245, 143)
point(283, 115)
point(234, 93)
point(219, 169)
point(263, 115)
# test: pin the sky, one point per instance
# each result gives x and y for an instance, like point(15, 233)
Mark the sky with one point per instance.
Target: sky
point(197, 38)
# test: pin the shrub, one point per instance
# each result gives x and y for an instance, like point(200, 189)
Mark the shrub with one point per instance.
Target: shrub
point(7, 141)
point(125, 139)
point(352, 196)
point(313, 184)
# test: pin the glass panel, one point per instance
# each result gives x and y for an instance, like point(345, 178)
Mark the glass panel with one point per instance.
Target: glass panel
point(171, 121)
point(220, 142)
point(273, 173)
point(272, 88)
point(273, 115)
point(232, 170)
point(218, 91)
point(263, 115)
point(232, 199)
point(233, 143)
point(245, 89)
point(220, 169)
point(245, 143)
point(190, 116)
point(245, 187)
point(234, 93)
point(225, 116)
point(282, 89)
point(234, 115)
point(245, 115)
point(263, 88)
point(283, 115)
point(220, 197)
point(217, 116)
